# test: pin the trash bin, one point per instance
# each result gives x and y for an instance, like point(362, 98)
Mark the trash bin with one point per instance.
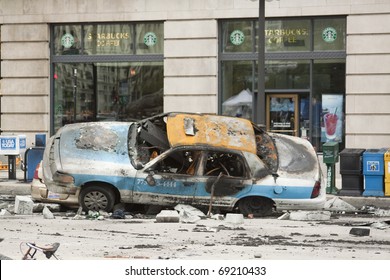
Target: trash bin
point(387, 173)
point(351, 170)
point(373, 171)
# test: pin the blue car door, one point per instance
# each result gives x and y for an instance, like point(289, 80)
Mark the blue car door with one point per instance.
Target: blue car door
point(169, 179)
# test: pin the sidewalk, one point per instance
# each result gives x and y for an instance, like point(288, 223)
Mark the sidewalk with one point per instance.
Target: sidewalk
point(14, 186)
point(20, 187)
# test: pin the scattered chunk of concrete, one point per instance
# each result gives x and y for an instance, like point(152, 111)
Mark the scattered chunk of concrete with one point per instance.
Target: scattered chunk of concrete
point(218, 217)
point(168, 216)
point(285, 216)
point(234, 219)
point(190, 210)
point(189, 214)
point(380, 225)
point(337, 204)
point(23, 205)
point(5, 212)
point(360, 231)
point(382, 213)
point(47, 214)
point(202, 228)
point(53, 207)
point(310, 215)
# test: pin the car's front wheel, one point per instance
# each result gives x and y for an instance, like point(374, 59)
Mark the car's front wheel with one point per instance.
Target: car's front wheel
point(257, 206)
point(97, 198)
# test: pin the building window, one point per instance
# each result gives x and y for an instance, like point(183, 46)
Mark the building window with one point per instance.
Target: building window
point(106, 72)
point(287, 35)
point(305, 65)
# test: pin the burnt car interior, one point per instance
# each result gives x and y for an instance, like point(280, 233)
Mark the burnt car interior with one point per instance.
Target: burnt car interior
point(201, 163)
point(148, 138)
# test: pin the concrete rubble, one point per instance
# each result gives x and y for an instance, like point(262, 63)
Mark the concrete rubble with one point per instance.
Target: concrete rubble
point(23, 205)
point(306, 216)
point(5, 212)
point(168, 216)
point(47, 214)
point(189, 214)
point(234, 219)
point(339, 205)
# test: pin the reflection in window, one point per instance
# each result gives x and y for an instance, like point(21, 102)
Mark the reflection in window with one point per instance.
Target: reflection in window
point(107, 91)
point(287, 74)
point(237, 87)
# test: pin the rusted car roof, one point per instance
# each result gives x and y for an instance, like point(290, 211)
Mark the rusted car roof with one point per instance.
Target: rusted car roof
point(213, 130)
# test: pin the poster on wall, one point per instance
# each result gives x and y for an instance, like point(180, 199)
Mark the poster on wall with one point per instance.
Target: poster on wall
point(332, 118)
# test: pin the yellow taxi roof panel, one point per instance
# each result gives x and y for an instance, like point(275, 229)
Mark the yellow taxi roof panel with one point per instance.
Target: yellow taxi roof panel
point(212, 130)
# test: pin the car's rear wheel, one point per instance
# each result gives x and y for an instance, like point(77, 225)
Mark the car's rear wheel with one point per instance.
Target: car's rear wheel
point(97, 198)
point(257, 206)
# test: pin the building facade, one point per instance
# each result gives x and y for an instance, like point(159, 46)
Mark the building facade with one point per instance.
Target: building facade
point(327, 64)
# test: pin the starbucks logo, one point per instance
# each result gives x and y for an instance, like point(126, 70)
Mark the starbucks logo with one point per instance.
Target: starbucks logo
point(150, 39)
point(67, 40)
point(237, 37)
point(329, 34)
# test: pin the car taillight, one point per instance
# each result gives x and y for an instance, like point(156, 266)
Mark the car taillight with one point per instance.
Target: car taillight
point(316, 190)
point(36, 172)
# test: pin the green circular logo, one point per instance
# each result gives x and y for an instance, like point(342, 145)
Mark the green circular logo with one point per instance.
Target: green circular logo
point(150, 39)
point(329, 34)
point(67, 40)
point(237, 37)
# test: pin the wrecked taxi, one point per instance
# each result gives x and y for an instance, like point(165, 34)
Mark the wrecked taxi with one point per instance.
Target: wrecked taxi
point(202, 160)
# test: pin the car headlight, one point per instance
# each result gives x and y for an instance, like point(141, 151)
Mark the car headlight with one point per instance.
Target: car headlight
point(62, 178)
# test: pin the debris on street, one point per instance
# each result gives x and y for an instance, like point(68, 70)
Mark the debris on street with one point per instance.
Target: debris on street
point(23, 205)
point(306, 216)
point(360, 231)
point(339, 205)
point(47, 214)
point(189, 214)
point(234, 219)
point(5, 212)
point(168, 216)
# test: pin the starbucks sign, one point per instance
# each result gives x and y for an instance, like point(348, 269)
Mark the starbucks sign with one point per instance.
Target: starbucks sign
point(150, 39)
point(237, 37)
point(329, 34)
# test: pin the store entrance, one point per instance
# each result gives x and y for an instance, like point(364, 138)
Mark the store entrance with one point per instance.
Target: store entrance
point(288, 114)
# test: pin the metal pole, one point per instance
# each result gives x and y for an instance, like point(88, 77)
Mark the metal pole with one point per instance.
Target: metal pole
point(74, 94)
point(259, 106)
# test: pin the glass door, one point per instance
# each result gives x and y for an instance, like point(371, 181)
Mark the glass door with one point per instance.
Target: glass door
point(282, 113)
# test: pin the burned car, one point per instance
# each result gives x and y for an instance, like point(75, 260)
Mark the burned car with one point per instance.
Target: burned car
point(184, 158)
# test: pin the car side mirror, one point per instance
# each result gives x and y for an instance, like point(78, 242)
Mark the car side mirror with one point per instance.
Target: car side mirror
point(150, 179)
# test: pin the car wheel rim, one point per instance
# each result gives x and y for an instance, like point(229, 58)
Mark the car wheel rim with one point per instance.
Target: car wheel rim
point(95, 201)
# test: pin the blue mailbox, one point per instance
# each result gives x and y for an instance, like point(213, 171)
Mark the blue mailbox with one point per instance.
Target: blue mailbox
point(33, 156)
point(373, 171)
